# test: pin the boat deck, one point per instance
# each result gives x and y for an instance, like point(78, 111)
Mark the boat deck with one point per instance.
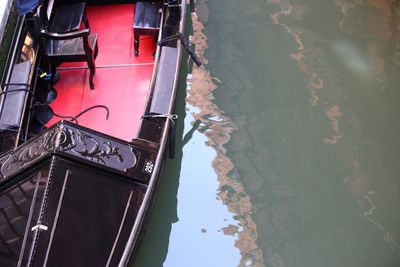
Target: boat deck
point(121, 79)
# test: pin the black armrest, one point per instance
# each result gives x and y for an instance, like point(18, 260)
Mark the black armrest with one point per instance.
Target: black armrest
point(65, 36)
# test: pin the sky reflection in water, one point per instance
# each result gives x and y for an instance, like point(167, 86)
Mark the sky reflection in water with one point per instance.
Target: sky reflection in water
point(202, 216)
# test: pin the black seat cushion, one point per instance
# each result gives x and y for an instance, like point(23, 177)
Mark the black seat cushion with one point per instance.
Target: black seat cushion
point(164, 86)
point(147, 15)
point(70, 47)
point(14, 103)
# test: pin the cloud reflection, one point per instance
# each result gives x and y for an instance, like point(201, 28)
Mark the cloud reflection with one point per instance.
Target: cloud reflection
point(350, 56)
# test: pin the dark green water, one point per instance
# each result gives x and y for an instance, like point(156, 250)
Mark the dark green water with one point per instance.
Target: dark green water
point(290, 154)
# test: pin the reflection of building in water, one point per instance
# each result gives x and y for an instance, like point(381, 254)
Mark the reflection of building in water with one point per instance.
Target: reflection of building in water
point(218, 129)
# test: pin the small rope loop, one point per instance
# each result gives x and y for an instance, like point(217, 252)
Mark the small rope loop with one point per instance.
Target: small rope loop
point(171, 117)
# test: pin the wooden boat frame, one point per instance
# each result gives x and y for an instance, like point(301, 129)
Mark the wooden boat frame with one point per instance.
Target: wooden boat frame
point(146, 154)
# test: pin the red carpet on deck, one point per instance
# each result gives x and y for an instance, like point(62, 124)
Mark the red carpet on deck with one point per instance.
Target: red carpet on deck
point(123, 89)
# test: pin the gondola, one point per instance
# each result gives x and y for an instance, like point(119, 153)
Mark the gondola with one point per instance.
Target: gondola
point(86, 123)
